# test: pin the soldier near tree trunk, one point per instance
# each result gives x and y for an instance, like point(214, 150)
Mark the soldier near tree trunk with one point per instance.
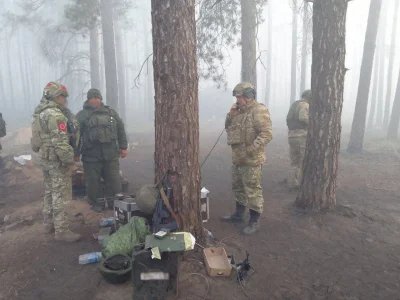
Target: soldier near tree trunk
point(249, 129)
point(50, 140)
point(297, 122)
point(102, 141)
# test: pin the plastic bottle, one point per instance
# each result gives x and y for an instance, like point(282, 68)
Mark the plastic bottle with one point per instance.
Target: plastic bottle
point(208, 233)
point(106, 222)
point(90, 258)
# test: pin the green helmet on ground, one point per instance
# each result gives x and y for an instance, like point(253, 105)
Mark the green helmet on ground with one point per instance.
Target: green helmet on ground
point(244, 89)
point(306, 95)
point(54, 89)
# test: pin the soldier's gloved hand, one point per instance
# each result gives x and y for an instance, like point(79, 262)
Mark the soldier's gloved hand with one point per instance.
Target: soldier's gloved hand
point(251, 150)
point(77, 158)
point(234, 110)
point(123, 153)
point(71, 169)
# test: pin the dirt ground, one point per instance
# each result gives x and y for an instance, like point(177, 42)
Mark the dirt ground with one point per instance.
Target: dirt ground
point(350, 253)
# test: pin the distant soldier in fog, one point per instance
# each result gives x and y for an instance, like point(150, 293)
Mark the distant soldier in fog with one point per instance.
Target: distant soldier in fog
point(102, 142)
point(50, 140)
point(297, 122)
point(3, 131)
point(249, 129)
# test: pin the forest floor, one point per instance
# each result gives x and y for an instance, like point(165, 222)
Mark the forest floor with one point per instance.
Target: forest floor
point(350, 253)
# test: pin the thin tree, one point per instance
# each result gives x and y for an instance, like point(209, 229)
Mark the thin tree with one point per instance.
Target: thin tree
point(388, 103)
point(374, 93)
point(304, 47)
point(121, 71)
point(360, 113)
point(94, 57)
point(293, 74)
point(249, 46)
point(393, 129)
point(110, 62)
point(269, 58)
point(318, 187)
point(177, 113)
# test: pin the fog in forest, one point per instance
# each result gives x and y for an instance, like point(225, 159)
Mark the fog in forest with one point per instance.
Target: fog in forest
point(41, 44)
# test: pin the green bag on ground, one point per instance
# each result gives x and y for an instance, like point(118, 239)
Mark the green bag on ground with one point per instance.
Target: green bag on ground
point(128, 236)
point(146, 198)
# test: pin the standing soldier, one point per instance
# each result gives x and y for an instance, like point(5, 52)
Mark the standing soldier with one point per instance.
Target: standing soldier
point(249, 129)
point(297, 122)
point(50, 139)
point(102, 142)
point(3, 131)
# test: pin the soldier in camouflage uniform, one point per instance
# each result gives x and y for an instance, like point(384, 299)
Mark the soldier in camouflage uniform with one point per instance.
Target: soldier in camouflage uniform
point(249, 129)
point(3, 131)
point(297, 122)
point(102, 142)
point(50, 140)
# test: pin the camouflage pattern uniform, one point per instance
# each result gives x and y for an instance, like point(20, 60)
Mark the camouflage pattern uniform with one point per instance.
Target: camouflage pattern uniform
point(102, 137)
point(249, 131)
point(50, 140)
point(3, 131)
point(297, 122)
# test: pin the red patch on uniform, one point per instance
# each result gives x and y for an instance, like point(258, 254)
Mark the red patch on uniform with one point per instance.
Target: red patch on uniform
point(62, 126)
point(49, 84)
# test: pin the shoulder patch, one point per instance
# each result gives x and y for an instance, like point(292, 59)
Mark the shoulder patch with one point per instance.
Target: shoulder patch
point(62, 126)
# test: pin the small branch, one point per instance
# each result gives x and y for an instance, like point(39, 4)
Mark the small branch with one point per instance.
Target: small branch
point(74, 70)
point(140, 71)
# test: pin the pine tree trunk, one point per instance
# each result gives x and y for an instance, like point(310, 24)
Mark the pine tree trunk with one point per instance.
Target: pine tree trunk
point(391, 64)
point(249, 48)
point(177, 114)
point(121, 73)
point(110, 61)
point(304, 56)
point(293, 74)
point(393, 129)
point(318, 187)
point(269, 58)
point(94, 58)
point(360, 113)
point(374, 93)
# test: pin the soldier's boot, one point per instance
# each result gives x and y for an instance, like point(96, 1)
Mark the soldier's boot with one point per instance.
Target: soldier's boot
point(48, 227)
point(67, 236)
point(237, 216)
point(254, 223)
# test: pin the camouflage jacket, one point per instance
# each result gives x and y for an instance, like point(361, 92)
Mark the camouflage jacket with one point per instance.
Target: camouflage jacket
point(53, 133)
point(102, 133)
point(298, 119)
point(248, 134)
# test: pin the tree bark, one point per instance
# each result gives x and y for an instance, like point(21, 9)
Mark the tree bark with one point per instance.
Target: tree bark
point(177, 114)
point(388, 103)
point(360, 113)
point(318, 187)
point(304, 55)
point(249, 48)
point(121, 73)
point(110, 62)
point(269, 58)
point(374, 93)
point(293, 74)
point(94, 58)
point(393, 128)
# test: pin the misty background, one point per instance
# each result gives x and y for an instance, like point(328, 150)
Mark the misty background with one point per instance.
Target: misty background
point(39, 45)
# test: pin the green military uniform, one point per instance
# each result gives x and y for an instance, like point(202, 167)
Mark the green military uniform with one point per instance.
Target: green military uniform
point(297, 122)
point(102, 137)
point(3, 131)
point(249, 131)
point(50, 140)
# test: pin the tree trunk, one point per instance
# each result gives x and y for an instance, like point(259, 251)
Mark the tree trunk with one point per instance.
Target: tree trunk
point(110, 62)
point(318, 187)
point(304, 56)
point(374, 93)
point(177, 114)
point(149, 84)
point(393, 128)
point(269, 58)
point(382, 60)
point(121, 73)
point(360, 113)
point(293, 74)
point(94, 58)
point(249, 48)
point(391, 64)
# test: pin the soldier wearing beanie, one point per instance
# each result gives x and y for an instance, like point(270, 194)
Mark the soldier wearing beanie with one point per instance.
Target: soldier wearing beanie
point(102, 142)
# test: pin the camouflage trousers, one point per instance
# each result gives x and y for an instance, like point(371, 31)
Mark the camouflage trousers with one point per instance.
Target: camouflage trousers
point(246, 186)
point(58, 191)
point(297, 150)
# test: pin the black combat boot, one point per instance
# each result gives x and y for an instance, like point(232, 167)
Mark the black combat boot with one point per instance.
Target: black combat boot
point(237, 216)
point(254, 223)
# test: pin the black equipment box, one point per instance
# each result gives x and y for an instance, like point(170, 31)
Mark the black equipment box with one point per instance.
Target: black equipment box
point(124, 210)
